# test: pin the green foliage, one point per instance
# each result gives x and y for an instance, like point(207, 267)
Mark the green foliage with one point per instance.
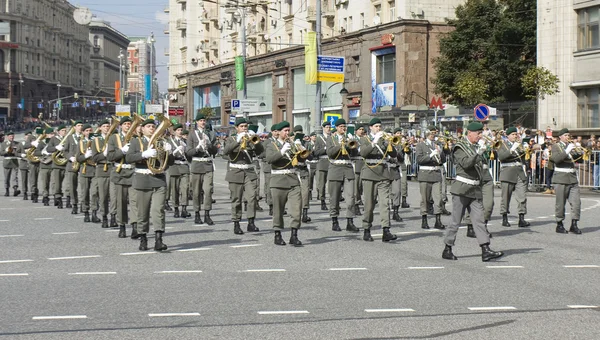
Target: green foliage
point(207, 111)
point(539, 82)
point(494, 41)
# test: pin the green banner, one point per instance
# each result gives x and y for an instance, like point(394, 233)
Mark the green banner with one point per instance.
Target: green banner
point(240, 74)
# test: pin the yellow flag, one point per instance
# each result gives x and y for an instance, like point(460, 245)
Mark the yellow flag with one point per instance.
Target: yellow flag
point(310, 58)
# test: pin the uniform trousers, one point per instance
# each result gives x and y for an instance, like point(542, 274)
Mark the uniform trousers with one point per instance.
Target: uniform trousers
point(475, 209)
point(103, 194)
point(112, 198)
point(431, 191)
point(520, 190)
point(305, 190)
point(184, 187)
point(45, 177)
point(174, 189)
point(58, 176)
point(151, 205)
point(267, 188)
point(126, 193)
point(204, 183)
point(34, 174)
point(321, 184)
point(488, 202)
point(404, 180)
point(379, 190)
point(358, 187)
point(335, 194)
point(88, 193)
point(247, 191)
point(280, 198)
point(312, 171)
point(564, 193)
point(73, 180)
point(8, 173)
point(24, 179)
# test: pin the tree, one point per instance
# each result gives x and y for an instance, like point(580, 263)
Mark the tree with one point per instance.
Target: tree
point(207, 111)
point(539, 82)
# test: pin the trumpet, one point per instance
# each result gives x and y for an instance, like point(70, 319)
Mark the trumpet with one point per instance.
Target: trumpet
point(254, 139)
point(298, 151)
point(406, 147)
point(445, 141)
point(579, 150)
point(495, 144)
point(392, 141)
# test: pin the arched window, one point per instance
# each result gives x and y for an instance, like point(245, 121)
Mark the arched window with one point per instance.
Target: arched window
point(96, 41)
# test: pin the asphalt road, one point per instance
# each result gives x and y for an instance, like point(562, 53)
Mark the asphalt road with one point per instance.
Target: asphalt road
point(63, 279)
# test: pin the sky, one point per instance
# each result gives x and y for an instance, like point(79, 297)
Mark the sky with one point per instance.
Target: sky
point(137, 18)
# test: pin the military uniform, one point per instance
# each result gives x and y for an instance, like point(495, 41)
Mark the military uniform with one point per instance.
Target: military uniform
point(396, 176)
point(45, 168)
point(320, 152)
point(266, 170)
point(58, 171)
point(312, 161)
point(430, 180)
point(513, 178)
point(11, 165)
point(88, 197)
point(34, 169)
point(72, 173)
point(179, 175)
point(103, 171)
point(487, 190)
point(358, 163)
point(23, 167)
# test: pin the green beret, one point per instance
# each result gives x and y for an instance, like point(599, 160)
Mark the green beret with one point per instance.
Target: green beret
point(398, 129)
point(124, 120)
point(27, 133)
point(201, 116)
point(313, 134)
point(340, 122)
point(475, 126)
point(185, 132)
point(283, 125)
point(388, 130)
point(77, 122)
point(432, 128)
point(563, 131)
point(253, 128)
point(325, 123)
point(298, 128)
point(359, 126)
point(275, 127)
point(374, 121)
point(148, 121)
point(85, 127)
point(177, 126)
point(48, 130)
point(239, 121)
point(60, 127)
point(39, 130)
point(104, 122)
point(511, 130)
point(10, 133)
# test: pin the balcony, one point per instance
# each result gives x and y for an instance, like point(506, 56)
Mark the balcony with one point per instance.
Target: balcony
point(181, 1)
point(214, 45)
point(96, 49)
point(181, 24)
point(328, 13)
point(209, 15)
point(167, 52)
point(166, 30)
point(166, 9)
point(311, 14)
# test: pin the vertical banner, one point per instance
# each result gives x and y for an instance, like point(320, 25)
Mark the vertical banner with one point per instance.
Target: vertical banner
point(139, 107)
point(118, 91)
point(239, 73)
point(310, 58)
point(148, 86)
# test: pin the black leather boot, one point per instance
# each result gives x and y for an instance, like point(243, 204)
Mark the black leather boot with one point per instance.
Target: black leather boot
point(470, 231)
point(95, 218)
point(424, 224)
point(34, 198)
point(271, 210)
point(68, 204)
point(59, 203)
point(351, 227)
point(16, 191)
point(404, 204)
point(56, 202)
point(278, 239)
point(305, 218)
point(488, 254)
point(574, 229)
point(25, 197)
point(395, 216)
point(167, 206)
point(207, 218)
point(176, 213)
point(7, 193)
point(122, 231)
point(158, 242)
point(323, 206)
point(184, 212)
point(367, 235)
point(237, 229)
point(134, 233)
point(505, 220)
point(251, 226)
point(104, 221)
point(46, 201)
point(447, 253)
point(335, 225)
point(438, 222)
point(522, 222)
point(560, 228)
point(143, 242)
point(197, 219)
point(113, 220)
point(388, 236)
point(74, 211)
point(294, 238)
point(86, 217)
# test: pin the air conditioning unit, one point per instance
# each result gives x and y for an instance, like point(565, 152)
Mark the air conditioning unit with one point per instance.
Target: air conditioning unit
point(274, 22)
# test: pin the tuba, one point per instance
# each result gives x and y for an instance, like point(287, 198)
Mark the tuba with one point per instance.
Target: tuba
point(158, 141)
point(137, 120)
point(57, 156)
point(29, 153)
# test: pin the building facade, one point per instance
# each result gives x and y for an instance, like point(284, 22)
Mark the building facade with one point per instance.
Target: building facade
point(44, 54)
point(141, 59)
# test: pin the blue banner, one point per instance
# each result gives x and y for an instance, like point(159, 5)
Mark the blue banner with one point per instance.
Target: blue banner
point(148, 86)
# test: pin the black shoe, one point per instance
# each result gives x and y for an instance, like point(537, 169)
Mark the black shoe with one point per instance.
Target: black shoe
point(122, 232)
point(60, 203)
point(388, 236)
point(86, 217)
point(184, 212)
point(34, 198)
point(25, 197)
point(278, 239)
point(236, 228)
point(395, 216)
point(207, 218)
point(447, 254)
point(357, 210)
point(56, 201)
point(158, 242)
point(505, 220)
point(470, 231)
point(68, 205)
point(404, 204)
point(438, 222)
point(367, 235)
point(74, 211)
point(17, 191)
point(335, 225)
point(7, 193)
point(251, 226)
point(323, 206)
point(214, 201)
point(305, 218)
point(167, 206)
point(176, 213)
point(197, 219)
point(445, 212)
point(294, 241)
point(134, 233)
point(46, 201)
point(574, 229)
point(522, 222)
point(351, 227)
point(143, 242)
point(95, 218)
point(104, 221)
point(424, 223)
point(488, 254)
point(560, 228)
point(271, 210)
point(113, 220)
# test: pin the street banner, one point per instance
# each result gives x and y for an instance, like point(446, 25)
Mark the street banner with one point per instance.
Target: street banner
point(239, 73)
point(310, 58)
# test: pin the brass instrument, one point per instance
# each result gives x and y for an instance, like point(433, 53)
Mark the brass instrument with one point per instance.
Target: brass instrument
point(579, 151)
point(392, 141)
point(406, 147)
point(298, 151)
point(254, 139)
point(29, 154)
point(57, 156)
point(158, 141)
point(137, 120)
point(113, 126)
point(88, 161)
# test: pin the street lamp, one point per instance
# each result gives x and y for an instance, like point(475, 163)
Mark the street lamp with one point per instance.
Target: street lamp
point(121, 56)
point(22, 101)
point(58, 101)
point(152, 40)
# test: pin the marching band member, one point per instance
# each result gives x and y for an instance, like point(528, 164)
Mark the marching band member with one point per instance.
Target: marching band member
point(320, 152)
point(88, 196)
point(10, 163)
point(302, 170)
point(430, 160)
point(34, 167)
point(397, 177)
point(513, 177)
point(103, 169)
point(266, 168)
point(58, 171)
point(312, 162)
point(252, 130)
point(70, 151)
point(45, 166)
point(487, 191)
point(404, 180)
point(358, 166)
point(179, 173)
point(23, 164)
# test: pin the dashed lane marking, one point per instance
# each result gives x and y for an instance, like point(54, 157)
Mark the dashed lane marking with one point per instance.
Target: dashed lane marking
point(246, 245)
point(191, 249)
point(59, 317)
point(12, 235)
point(4, 220)
point(139, 253)
point(282, 312)
point(73, 257)
point(15, 261)
point(389, 310)
point(7, 208)
point(346, 269)
point(420, 268)
point(582, 306)
point(504, 267)
point(478, 309)
point(159, 315)
point(14, 274)
point(66, 233)
point(263, 270)
point(43, 218)
point(582, 266)
point(178, 272)
point(94, 273)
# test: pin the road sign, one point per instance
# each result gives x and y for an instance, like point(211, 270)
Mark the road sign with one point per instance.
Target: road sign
point(123, 110)
point(235, 105)
point(330, 68)
point(331, 118)
point(244, 105)
point(481, 112)
point(154, 108)
point(232, 119)
point(412, 117)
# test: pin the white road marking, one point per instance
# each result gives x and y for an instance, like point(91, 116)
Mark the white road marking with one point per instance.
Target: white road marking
point(425, 267)
point(112, 230)
point(73, 257)
point(15, 274)
point(246, 245)
point(157, 315)
point(4, 220)
point(11, 235)
point(66, 233)
point(276, 312)
point(462, 227)
point(43, 218)
point(178, 271)
point(94, 273)
point(15, 261)
point(193, 249)
point(581, 306)
point(504, 267)
point(59, 317)
point(376, 235)
point(389, 310)
point(406, 233)
point(79, 216)
point(139, 253)
point(582, 266)
point(169, 228)
point(492, 308)
point(346, 269)
point(7, 208)
point(263, 270)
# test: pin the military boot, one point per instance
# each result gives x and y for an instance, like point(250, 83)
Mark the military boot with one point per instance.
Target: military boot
point(388, 236)
point(55, 202)
point(367, 235)
point(323, 206)
point(237, 229)
point(438, 222)
point(335, 225)
point(351, 227)
point(68, 204)
point(505, 220)
point(522, 222)
point(207, 218)
point(395, 216)
point(305, 218)
point(176, 213)
point(294, 238)
point(95, 218)
point(167, 206)
point(424, 223)
point(143, 242)
point(574, 229)
point(560, 228)
point(197, 219)
point(251, 226)
point(470, 231)
point(447, 253)
point(270, 209)
point(104, 221)
point(86, 217)
point(74, 211)
point(59, 204)
point(46, 201)
point(158, 242)
point(25, 197)
point(34, 198)
point(122, 231)
point(134, 233)
point(278, 239)
point(184, 212)
point(16, 191)
point(488, 254)
point(7, 193)
point(113, 220)
point(404, 204)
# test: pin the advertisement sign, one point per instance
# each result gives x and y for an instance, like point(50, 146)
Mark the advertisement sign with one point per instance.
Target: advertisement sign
point(123, 110)
point(154, 108)
point(385, 95)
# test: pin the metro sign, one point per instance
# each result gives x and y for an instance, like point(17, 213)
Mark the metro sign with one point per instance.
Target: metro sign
point(436, 103)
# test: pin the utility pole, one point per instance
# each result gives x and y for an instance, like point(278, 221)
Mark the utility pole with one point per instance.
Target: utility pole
point(59, 103)
point(120, 75)
point(318, 110)
point(152, 67)
point(245, 89)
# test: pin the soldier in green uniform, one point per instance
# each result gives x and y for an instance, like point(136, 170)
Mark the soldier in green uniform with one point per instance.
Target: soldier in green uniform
point(302, 171)
point(376, 180)
point(285, 184)
point(563, 155)
point(58, 171)
point(72, 173)
point(87, 171)
point(430, 159)
point(341, 174)
point(150, 188)
point(320, 152)
point(466, 192)
point(266, 168)
point(103, 169)
point(252, 130)
point(396, 177)
point(241, 175)
point(513, 177)
point(10, 163)
point(359, 163)
point(23, 164)
point(201, 147)
point(487, 190)
point(179, 168)
point(34, 167)
point(404, 180)
point(312, 162)
point(45, 166)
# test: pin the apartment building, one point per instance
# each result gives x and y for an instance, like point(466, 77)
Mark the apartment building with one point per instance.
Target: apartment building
point(141, 59)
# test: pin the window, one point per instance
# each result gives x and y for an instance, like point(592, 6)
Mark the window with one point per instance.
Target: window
point(183, 33)
point(96, 41)
point(588, 35)
point(349, 28)
point(136, 54)
point(377, 10)
point(344, 27)
point(392, 11)
point(588, 111)
point(95, 65)
point(135, 69)
point(362, 20)
point(281, 81)
point(386, 68)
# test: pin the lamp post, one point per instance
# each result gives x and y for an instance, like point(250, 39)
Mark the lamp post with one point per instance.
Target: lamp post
point(121, 56)
point(343, 92)
point(59, 103)
point(21, 81)
point(152, 40)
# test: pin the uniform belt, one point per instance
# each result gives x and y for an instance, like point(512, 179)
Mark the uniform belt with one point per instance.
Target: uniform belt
point(283, 172)
point(301, 164)
point(124, 166)
point(241, 166)
point(430, 168)
point(323, 157)
point(180, 162)
point(143, 171)
point(10, 157)
point(504, 165)
point(340, 161)
point(375, 161)
point(566, 170)
point(466, 180)
point(392, 165)
point(201, 159)
point(312, 162)
point(485, 166)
